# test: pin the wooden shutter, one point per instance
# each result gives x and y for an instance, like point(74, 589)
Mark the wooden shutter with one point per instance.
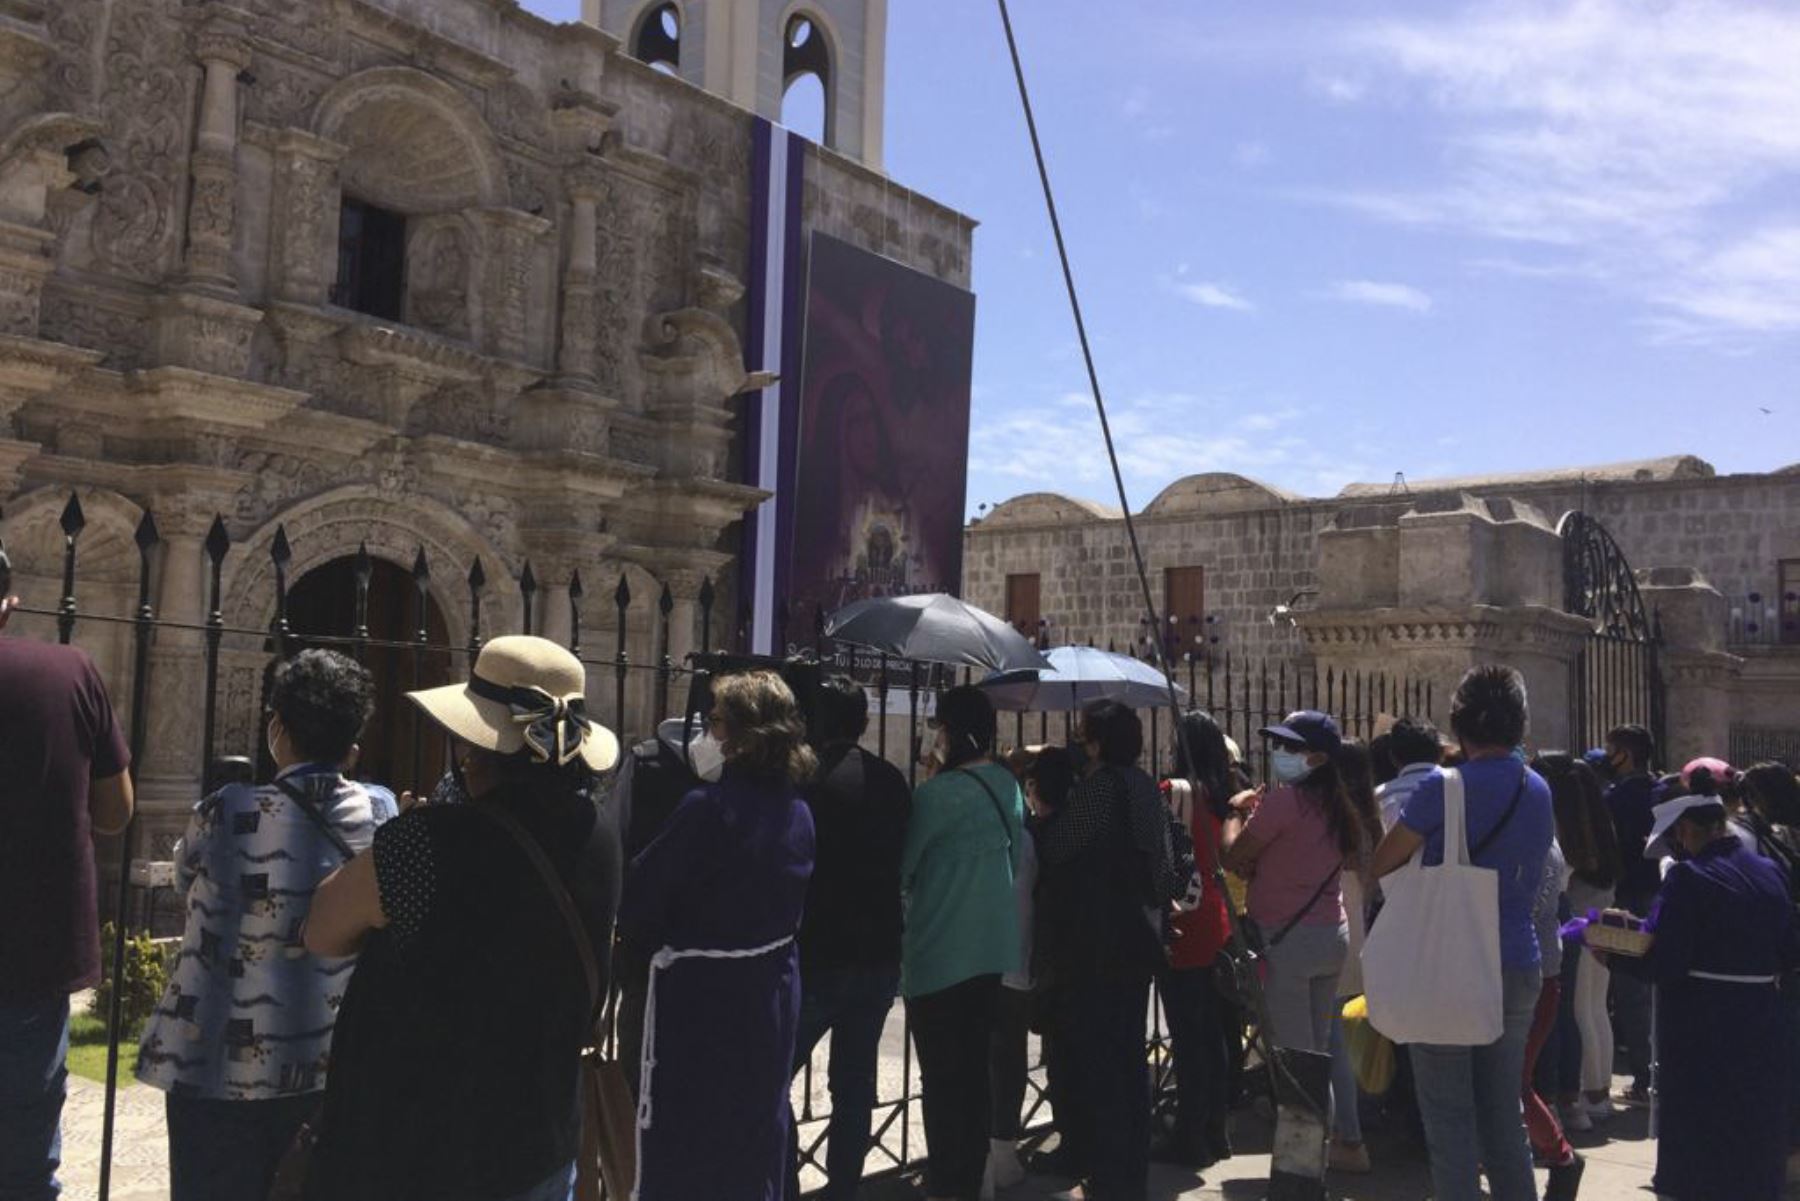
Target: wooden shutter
point(1023, 611)
point(1184, 609)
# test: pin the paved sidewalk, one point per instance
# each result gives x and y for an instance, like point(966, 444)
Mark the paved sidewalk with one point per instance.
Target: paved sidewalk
point(1619, 1165)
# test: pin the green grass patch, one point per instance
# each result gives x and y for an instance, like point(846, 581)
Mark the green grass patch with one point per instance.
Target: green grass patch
point(87, 1049)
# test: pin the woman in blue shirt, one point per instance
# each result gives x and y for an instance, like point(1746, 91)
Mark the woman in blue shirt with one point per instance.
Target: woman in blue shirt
point(1469, 1096)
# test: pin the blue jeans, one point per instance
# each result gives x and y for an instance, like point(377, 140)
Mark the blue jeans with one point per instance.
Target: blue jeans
point(229, 1150)
point(1346, 1096)
point(1469, 1099)
point(34, 1053)
point(852, 1003)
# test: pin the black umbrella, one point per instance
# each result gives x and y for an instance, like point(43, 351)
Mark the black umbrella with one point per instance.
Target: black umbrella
point(933, 627)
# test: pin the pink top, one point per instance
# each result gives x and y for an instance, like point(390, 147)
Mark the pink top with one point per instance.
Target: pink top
point(1298, 855)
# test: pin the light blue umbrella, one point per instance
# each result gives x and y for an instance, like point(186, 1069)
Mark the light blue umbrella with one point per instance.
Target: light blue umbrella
point(1080, 674)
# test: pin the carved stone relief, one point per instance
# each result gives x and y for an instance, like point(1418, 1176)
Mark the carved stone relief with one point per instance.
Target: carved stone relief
point(74, 24)
point(146, 106)
point(438, 275)
point(121, 333)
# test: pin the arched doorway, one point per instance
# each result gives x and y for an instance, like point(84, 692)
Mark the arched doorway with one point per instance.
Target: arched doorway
point(398, 748)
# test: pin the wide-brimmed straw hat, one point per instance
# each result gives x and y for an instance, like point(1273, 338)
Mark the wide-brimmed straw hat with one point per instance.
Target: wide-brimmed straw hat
point(524, 694)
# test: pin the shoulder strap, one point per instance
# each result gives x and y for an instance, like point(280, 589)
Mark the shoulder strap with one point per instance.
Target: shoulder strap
point(1306, 908)
point(298, 795)
point(1488, 839)
point(553, 884)
point(999, 810)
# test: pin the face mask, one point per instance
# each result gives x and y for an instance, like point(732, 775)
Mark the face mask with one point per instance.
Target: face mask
point(1288, 766)
point(706, 758)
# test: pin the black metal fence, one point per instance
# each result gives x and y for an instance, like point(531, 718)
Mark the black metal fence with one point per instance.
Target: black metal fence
point(1242, 695)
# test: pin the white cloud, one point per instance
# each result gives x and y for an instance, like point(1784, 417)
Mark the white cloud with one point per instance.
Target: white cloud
point(1628, 137)
point(1214, 296)
point(1161, 436)
point(1137, 102)
point(1385, 295)
point(1339, 89)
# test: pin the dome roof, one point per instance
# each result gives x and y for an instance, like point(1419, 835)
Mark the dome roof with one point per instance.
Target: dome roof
point(1216, 492)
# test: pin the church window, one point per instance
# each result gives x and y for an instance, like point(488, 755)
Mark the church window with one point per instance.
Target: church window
point(371, 274)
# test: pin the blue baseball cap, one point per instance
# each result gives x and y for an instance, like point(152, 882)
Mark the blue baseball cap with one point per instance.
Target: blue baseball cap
point(1312, 729)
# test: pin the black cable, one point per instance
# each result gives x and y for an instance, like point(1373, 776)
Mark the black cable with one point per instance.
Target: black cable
point(1259, 998)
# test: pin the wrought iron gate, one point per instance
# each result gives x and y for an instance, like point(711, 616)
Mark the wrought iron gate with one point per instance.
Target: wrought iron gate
point(1617, 678)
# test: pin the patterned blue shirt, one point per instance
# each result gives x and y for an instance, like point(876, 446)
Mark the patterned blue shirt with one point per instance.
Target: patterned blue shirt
point(248, 1012)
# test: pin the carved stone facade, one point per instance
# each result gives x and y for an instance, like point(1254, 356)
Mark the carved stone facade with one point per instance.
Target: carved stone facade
point(558, 386)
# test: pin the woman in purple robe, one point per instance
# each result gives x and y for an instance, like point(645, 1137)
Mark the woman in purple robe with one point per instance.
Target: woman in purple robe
point(1724, 934)
point(713, 904)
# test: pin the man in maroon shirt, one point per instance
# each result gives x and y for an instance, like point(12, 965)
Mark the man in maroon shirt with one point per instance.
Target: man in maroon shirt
point(62, 779)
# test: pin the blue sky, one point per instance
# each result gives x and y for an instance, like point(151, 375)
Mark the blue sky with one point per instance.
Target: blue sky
point(1320, 243)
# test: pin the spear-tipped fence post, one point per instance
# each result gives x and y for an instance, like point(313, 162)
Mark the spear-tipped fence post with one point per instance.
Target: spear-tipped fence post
point(575, 592)
point(363, 571)
point(218, 542)
point(621, 602)
point(421, 577)
point(73, 522)
point(708, 595)
point(477, 582)
point(281, 553)
point(528, 587)
point(665, 667)
point(146, 539)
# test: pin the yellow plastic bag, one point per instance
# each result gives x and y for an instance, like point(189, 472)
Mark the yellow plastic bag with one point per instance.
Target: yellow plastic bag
point(1371, 1052)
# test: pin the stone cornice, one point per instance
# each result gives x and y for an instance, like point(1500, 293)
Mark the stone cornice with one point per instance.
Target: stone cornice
point(165, 394)
point(1550, 630)
point(1706, 668)
point(371, 344)
point(34, 365)
point(399, 33)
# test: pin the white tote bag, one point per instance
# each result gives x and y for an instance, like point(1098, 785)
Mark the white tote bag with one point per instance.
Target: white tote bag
point(1431, 965)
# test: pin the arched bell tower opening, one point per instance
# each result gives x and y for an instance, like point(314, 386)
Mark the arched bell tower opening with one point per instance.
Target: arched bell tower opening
point(399, 748)
point(657, 40)
point(806, 96)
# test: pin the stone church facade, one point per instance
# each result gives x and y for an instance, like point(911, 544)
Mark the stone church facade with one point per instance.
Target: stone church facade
point(412, 275)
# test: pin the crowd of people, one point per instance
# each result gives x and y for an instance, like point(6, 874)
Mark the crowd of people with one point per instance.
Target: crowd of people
point(381, 1006)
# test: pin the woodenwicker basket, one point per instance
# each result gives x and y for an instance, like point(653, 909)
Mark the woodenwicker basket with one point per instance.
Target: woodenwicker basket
point(1619, 933)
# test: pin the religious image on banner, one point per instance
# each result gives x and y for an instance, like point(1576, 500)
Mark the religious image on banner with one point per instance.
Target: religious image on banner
point(883, 435)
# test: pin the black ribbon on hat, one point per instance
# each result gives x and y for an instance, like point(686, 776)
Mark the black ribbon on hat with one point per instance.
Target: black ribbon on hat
point(555, 727)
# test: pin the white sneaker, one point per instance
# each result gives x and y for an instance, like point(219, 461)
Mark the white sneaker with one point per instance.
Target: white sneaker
point(1575, 1117)
point(1003, 1165)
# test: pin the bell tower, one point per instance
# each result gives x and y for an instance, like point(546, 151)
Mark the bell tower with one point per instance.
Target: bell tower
point(753, 51)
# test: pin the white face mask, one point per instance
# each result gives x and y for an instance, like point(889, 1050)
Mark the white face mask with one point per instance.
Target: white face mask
point(1288, 766)
point(706, 757)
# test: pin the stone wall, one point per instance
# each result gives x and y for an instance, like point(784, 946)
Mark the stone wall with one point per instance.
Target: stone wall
point(1364, 557)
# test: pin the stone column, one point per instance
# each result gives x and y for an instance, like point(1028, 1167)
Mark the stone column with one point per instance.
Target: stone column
point(511, 236)
point(553, 611)
point(1699, 676)
point(303, 237)
point(212, 211)
point(575, 354)
point(169, 778)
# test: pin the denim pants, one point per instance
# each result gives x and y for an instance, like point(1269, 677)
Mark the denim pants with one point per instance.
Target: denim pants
point(34, 1052)
point(852, 1004)
point(1469, 1099)
point(229, 1150)
point(1303, 972)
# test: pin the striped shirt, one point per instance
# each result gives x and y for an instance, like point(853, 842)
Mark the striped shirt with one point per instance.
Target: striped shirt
point(248, 1012)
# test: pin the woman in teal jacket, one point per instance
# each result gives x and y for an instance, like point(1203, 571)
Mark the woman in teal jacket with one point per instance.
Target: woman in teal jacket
point(962, 933)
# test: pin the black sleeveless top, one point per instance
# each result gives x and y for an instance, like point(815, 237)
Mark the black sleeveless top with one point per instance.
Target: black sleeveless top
point(455, 1062)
